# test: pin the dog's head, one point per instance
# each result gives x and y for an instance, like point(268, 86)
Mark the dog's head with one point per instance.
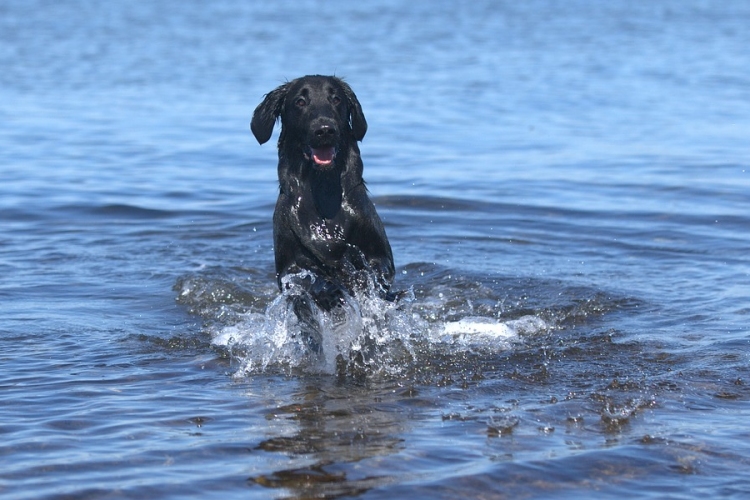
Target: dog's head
point(318, 114)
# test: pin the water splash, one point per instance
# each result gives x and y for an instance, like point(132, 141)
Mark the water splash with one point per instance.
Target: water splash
point(364, 335)
point(443, 315)
point(364, 332)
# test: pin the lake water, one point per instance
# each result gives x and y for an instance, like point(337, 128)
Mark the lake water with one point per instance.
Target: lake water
point(566, 188)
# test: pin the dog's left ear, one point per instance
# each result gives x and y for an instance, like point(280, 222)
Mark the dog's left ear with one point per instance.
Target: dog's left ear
point(267, 112)
point(358, 122)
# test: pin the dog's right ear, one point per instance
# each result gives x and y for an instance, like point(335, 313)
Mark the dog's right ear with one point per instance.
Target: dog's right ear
point(267, 113)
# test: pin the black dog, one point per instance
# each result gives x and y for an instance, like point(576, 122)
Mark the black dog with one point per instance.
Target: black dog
point(324, 221)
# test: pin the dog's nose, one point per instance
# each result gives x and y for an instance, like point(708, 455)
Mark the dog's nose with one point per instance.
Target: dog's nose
point(325, 131)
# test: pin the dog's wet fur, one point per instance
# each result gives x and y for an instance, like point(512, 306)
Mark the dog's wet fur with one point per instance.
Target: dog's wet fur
point(324, 221)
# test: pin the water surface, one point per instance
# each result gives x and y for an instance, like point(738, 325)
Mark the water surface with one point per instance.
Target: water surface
point(566, 191)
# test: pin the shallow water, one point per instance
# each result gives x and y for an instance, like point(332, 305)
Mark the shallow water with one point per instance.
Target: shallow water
point(566, 191)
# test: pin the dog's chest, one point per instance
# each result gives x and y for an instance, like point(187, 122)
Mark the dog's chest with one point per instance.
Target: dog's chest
point(327, 230)
point(322, 231)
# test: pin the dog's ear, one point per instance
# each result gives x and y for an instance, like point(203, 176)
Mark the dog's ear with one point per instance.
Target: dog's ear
point(267, 113)
point(358, 122)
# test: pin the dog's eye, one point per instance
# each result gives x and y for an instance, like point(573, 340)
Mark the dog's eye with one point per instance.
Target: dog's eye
point(300, 102)
point(335, 100)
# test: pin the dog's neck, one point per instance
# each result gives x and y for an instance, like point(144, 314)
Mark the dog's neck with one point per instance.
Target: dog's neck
point(327, 192)
point(324, 187)
point(327, 188)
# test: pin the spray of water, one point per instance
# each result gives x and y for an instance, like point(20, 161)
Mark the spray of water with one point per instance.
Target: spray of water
point(364, 334)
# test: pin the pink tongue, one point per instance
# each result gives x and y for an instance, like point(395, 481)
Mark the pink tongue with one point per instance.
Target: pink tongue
point(323, 156)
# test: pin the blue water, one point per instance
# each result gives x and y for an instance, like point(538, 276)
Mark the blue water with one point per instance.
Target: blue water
point(566, 188)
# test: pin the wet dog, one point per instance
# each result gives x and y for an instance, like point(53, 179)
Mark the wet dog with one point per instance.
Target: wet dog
point(324, 222)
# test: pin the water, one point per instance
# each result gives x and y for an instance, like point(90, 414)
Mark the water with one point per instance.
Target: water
point(566, 191)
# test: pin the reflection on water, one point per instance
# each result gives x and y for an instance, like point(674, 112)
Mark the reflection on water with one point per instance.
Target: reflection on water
point(336, 424)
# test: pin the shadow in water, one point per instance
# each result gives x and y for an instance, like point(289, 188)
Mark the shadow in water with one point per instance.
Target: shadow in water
point(336, 424)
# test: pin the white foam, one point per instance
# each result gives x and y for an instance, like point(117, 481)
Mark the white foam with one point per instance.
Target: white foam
point(478, 326)
point(482, 331)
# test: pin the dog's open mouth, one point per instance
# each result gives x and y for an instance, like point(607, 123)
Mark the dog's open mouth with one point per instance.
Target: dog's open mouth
point(322, 156)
